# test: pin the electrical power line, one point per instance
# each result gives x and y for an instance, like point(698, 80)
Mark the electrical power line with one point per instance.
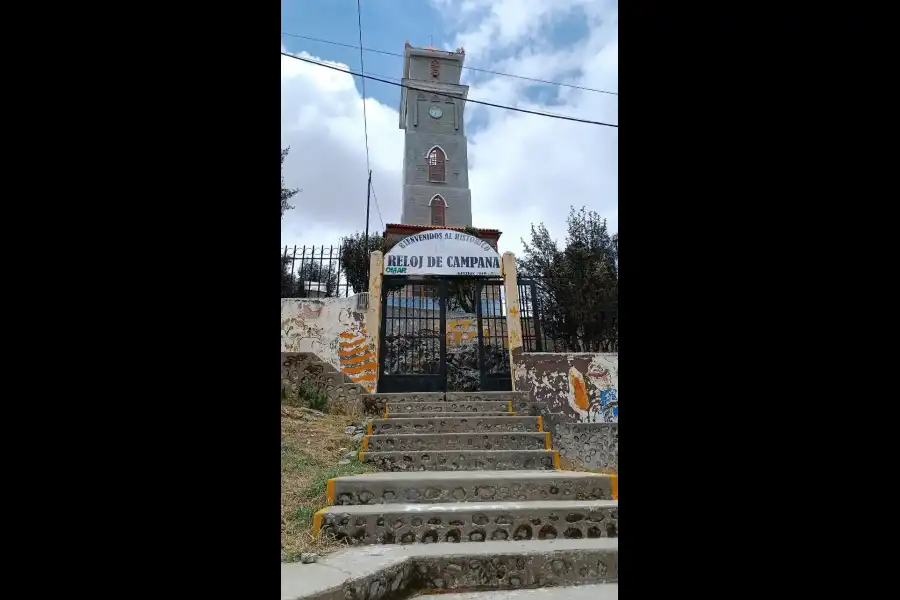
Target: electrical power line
point(361, 48)
point(362, 79)
point(468, 100)
point(376, 206)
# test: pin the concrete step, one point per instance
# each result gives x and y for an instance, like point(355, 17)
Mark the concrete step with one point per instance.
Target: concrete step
point(448, 396)
point(462, 460)
point(457, 441)
point(470, 486)
point(430, 415)
point(381, 573)
point(454, 424)
point(520, 401)
point(409, 397)
point(397, 409)
point(485, 396)
point(389, 571)
point(470, 521)
point(601, 591)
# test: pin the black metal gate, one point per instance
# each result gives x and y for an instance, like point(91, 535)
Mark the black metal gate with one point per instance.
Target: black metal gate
point(413, 344)
point(493, 342)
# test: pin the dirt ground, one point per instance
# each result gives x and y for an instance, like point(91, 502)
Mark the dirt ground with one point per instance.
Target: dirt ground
point(312, 443)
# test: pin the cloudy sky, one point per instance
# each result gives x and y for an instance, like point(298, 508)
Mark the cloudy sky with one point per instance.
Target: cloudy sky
point(523, 169)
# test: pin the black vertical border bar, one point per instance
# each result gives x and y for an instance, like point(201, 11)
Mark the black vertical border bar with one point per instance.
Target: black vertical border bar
point(503, 323)
point(382, 347)
point(535, 317)
point(478, 320)
point(523, 314)
point(404, 304)
point(442, 293)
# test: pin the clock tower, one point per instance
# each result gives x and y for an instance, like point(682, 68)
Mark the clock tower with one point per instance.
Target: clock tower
point(435, 164)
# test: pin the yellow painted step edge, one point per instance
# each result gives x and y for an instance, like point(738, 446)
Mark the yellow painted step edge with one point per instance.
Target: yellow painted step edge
point(614, 481)
point(546, 440)
point(369, 429)
point(509, 406)
point(362, 457)
point(317, 520)
point(365, 442)
point(556, 460)
point(329, 490)
point(540, 423)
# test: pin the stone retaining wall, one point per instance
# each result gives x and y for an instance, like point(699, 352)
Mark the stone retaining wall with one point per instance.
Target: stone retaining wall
point(344, 396)
point(594, 446)
point(577, 396)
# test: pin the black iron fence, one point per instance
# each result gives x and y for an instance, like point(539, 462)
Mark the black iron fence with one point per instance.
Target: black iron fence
point(314, 272)
point(560, 315)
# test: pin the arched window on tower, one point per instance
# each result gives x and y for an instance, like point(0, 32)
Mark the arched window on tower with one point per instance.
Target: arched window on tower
point(438, 207)
point(436, 165)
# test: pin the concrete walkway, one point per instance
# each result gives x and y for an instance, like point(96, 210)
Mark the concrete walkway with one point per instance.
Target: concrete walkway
point(606, 591)
point(445, 566)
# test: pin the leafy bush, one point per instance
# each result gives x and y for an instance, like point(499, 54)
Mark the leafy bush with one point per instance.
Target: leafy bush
point(306, 395)
point(312, 396)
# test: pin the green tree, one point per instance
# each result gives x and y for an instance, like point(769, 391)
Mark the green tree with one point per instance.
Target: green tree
point(312, 279)
point(461, 290)
point(355, 258)
point(286, 193)
point(316, 279)
point(287, 280)
point(578, 286)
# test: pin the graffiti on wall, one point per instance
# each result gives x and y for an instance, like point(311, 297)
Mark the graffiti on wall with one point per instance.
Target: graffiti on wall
point(582, 387)
point(462, 330)
point(356, 351)
point(299, 325)
point(334, 329)
point(594, 395)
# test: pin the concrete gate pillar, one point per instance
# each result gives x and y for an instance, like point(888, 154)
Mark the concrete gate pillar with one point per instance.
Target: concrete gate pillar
point(373, 318)
point(513, 319)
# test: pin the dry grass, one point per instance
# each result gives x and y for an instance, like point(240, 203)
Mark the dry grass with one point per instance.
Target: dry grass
point(310, 450)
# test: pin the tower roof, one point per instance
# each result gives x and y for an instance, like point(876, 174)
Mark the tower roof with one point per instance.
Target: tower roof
point(451, 89)
point(411, 227)
point(432, 48)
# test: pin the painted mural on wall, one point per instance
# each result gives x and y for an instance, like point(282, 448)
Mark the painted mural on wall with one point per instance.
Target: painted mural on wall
point(594, 395)
point(357, 355)
point(462, 329)
point(335, 330)
point(584, 387)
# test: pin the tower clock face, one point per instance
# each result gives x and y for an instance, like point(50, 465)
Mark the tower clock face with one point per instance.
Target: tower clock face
point(435, 112)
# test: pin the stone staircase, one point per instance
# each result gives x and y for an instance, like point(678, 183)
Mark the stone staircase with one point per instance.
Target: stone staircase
point(478, 476)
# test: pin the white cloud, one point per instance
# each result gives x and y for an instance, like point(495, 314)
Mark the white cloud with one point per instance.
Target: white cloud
point(321, 120)
point(523, 169)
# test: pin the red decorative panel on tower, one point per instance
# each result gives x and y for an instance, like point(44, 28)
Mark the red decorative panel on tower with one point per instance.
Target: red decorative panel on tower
point(437, 210)
point(437, 172)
